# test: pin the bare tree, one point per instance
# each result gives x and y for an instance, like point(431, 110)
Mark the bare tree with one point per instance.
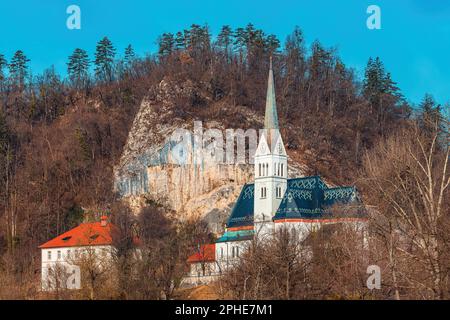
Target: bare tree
point(408, 183)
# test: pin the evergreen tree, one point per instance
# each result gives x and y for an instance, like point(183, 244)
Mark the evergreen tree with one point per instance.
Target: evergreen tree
point(3, 64)
point(104, 60)
point(166, 44)
point(378, 82)
point(180, 41)
point(272, 44)
point(430, 118)
point(249, 35)
point(240, 39)
point(129, 56)
point(18, 68)
point(382, 93)
point(224, 40)
point(78, 68)
point(200, 39)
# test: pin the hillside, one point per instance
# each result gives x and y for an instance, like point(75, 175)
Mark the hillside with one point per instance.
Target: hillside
point(70, 145)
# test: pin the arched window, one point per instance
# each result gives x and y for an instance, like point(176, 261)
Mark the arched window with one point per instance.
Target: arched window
point(282, 169)
point(259, 170)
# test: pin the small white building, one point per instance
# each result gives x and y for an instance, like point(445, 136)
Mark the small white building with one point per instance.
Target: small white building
point(61, 255)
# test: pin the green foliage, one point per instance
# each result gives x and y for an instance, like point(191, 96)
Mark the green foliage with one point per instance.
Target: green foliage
point(3, 64)
point(78, 68)
point(18, 68)
point(430, 120)
point(129, 55)
point(224, 39)
point(104, 60)
point(166, 44)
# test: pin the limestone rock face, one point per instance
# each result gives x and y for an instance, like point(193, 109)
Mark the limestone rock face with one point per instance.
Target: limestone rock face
point(146, 172)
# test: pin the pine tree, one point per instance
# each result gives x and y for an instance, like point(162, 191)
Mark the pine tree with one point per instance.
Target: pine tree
point(166, 44)
point(129, 56)
point(240, 39)
point(3, 64)
point(430, 117)
point(200, 39)
point(224, 40)
point(180, 41)
point(104, 60)
point(382, 93)
point(18, 68)
point(78, 68)
point(272, 44)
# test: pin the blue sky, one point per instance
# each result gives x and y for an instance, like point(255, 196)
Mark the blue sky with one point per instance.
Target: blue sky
point(414, 42)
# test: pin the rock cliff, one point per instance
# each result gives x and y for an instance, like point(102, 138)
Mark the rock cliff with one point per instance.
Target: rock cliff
point(195, 188)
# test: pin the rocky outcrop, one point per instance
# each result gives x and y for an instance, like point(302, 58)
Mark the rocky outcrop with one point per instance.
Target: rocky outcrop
point(146, 172)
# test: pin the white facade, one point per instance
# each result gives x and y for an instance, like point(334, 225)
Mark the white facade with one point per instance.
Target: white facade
point(270, 180)
point(60, 266)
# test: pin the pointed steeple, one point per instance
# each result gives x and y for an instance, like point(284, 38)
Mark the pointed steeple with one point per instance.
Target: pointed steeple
point(271, 118)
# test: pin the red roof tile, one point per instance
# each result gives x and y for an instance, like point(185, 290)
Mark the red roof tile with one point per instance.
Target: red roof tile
point(207, 253)
point(86, 234)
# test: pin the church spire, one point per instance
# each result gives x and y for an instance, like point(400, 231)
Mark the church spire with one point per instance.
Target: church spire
point(271, 118)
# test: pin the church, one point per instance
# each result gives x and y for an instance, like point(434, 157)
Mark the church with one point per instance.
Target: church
point(271, 202)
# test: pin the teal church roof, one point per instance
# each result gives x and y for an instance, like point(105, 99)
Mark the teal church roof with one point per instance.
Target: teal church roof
point(305, 198)
point(240, 235)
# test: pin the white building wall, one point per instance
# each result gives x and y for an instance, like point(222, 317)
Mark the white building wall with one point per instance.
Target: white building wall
point(63, 260)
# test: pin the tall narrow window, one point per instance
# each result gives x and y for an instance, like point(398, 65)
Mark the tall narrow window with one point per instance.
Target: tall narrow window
point(260, 170)
point(49, 255)
point(282, 169)
point(59, 254)
point(221, 253)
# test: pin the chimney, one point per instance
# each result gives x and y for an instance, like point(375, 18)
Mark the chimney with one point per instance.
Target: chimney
point(104, 221)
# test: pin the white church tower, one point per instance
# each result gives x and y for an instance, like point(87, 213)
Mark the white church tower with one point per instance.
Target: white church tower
point(271, 171)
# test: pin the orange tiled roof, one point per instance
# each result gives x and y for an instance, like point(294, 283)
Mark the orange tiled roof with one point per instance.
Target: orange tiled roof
point(207, 253)
point(86, 234)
